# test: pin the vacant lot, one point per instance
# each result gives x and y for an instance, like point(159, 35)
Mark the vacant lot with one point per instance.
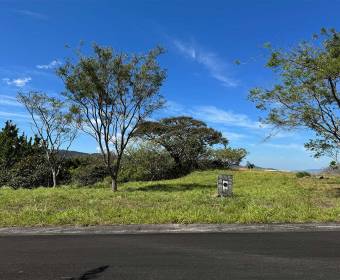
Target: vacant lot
point(259, 197)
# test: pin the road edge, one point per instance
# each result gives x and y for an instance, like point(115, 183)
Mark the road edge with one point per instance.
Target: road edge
point(168, 228)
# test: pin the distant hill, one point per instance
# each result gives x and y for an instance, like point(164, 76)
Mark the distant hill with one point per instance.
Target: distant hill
point(71, 154)
point(315, 171)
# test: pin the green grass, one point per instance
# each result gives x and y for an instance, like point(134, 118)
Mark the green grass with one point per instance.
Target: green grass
point(259, 197)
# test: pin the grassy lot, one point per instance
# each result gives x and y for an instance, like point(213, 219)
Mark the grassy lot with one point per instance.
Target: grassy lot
point(259, 197)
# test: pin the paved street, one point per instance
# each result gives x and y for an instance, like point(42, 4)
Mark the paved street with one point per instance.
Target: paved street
point(312, 255)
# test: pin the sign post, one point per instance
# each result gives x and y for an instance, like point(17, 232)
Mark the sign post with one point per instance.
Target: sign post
point(225, 185)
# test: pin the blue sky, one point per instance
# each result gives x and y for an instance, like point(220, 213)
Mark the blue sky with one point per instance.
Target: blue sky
point(202, 38)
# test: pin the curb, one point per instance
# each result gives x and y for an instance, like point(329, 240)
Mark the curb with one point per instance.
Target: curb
point(169, 228)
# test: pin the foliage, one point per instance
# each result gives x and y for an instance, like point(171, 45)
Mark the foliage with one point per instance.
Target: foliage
point(333, 165)
point(90, 171)
point(147, 162)
point(323, 147)
point(52, 124)
point(302, 174)
point(228, 157)
point(250, 165)
point(21, 159)
point(30, 172)
point(333, 168)
point(259, 197)
point(184, 138)
point(12, 146)
point(111, 94)
point(308, 94)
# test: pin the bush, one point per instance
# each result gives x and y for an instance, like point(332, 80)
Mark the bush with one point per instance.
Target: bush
point(90, 171)
point(30, 172)
point(147, 162)
point(4, 176)
point(69, 164)
point(302, 174)
point(144, 162)
point(250, 165)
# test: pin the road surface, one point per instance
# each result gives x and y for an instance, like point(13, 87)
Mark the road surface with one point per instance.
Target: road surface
point(290, 255)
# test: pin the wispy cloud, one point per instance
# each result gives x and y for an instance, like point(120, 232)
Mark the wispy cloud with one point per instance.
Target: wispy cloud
point(32, 14)
point(9, 100)
point(19, 82)
point(218, 116)
point(214, 115)
point(51, 65)
point(233, 135)
point(7, 115)
point(210, 60)
point(174, 108)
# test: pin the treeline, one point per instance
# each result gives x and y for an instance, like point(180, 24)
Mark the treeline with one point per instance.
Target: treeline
point(23, 162)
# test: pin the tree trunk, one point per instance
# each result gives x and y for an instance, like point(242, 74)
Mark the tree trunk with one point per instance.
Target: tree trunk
point(54, 177)
point(114, 185)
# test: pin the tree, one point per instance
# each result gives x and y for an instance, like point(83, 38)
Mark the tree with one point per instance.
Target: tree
point(324, 147)
point(308, 95)
point(16, 152)
point(229, 157)
point(250, 165)
point(333, 165)
point(11, 145)
point(14, 147)
point(112, 93)
point(53, 125)
point(185, 139)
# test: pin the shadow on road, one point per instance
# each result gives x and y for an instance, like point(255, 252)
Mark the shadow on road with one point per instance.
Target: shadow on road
point(91, 274)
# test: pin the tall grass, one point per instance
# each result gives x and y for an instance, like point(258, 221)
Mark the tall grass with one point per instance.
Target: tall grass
point(259, 197)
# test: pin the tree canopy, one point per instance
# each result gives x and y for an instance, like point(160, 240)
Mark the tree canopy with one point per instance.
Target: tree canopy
point(308, 94)
point(12, 145)
point(111, 94)
point(185, 138)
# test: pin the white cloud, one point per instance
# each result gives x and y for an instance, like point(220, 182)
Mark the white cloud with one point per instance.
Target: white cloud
point(185, 49)
point(233, 136)
point(8, 100)
point(214, 64)
point(32, 14)
point(20, 82)
point(174, 108)
point(214, 115)
point(13, 115)
point(51, 65)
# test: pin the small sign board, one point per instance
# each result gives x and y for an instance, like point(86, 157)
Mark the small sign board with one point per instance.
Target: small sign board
point(225, 185)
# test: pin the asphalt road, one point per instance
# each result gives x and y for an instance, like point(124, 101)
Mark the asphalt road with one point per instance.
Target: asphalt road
point(309, 255)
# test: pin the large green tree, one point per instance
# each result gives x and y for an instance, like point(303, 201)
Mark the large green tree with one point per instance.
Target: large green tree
point(112, 93)
point(185, 138)
point(308, 93)
point(15, 151)
point(12, 145)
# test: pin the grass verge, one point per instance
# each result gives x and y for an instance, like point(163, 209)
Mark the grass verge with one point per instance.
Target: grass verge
point(259, 197)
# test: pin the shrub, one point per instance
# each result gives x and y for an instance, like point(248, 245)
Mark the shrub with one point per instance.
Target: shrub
point(89, 171)
point(30, 172)
point(250, 165)
point(302, 174)
point(147, 162)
